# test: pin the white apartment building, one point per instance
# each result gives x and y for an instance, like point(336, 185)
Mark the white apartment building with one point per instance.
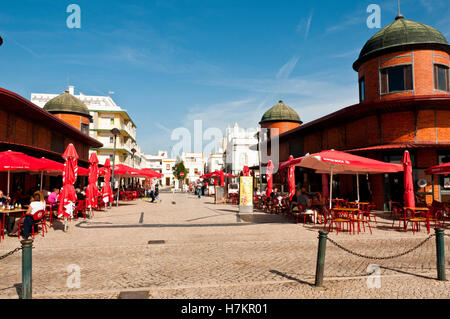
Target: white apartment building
point(106, 115)
point(214, 162)
point(195, 165)
point(240, 149)
point(157, 162)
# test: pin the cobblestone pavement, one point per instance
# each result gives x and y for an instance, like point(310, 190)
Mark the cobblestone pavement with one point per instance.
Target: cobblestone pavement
point(211, 251)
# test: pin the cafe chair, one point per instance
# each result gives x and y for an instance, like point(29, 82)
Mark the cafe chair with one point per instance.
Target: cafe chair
point(39, 219)
point(80, 208)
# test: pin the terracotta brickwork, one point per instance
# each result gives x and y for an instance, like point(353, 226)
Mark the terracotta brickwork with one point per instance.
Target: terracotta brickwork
point(423, 73)
point(74, 120)
point(281, 126)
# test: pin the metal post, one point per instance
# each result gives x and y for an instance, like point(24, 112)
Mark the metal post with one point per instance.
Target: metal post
point(112, 174)
point(440, 254)
point(320, 267)
point(27, 246)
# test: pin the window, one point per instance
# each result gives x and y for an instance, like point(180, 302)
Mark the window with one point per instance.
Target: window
point(85, 128)
point(168, 167)
point(396, 79)
point(362, 89)
point(441, 80)
point(196, 171)
point(111, 139)
point(111, 158)
point(111, 120)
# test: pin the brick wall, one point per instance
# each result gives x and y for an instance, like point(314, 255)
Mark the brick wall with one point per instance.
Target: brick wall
point(423, 74)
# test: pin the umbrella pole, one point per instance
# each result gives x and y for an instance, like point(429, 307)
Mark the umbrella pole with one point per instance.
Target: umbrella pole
point(9, 179)
point(42, 177)
point(331, 189)
point(357, 186)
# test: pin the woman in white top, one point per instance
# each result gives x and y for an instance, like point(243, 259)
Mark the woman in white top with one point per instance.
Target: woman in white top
point(37, 204)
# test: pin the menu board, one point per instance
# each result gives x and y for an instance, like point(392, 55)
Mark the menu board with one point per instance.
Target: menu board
point(246, 194)
point(220, 195)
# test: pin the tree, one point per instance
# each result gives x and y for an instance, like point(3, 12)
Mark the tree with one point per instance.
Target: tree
point(178, 168)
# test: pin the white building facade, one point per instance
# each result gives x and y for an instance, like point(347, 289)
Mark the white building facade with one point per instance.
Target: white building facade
point(240, 147)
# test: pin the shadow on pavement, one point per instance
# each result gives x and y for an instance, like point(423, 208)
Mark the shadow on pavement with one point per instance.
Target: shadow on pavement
point(407, 273)
point(276, 272)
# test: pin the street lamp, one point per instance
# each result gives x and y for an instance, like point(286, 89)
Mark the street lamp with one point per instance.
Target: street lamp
point(133, 151)
point(116, 133)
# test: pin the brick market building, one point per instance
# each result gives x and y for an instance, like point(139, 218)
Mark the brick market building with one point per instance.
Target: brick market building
point(27, 128)
point(403, 74)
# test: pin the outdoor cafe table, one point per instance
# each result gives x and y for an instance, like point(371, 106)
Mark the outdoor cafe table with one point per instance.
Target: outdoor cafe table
point(417, 210)
point(7, 212)
point(350, 212)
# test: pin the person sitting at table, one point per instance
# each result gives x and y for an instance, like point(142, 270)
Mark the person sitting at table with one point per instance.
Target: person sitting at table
point(19, 197)
point(36, 205)
point(4, 199)
point(53, 197)
point(80, 195)
point(274, 193)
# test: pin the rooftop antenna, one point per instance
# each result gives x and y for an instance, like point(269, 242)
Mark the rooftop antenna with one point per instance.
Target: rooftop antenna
point(399, 15)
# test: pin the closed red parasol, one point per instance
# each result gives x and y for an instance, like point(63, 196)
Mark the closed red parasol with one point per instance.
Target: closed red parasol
point(67, 196)
point(269, 174)
point(246, 171)
point(106, 190)
point(409, 200)
point(92, 190)
point(291, 177)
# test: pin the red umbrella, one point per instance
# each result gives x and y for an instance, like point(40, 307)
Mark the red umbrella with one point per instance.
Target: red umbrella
point(409, 200)
point(67, 196)
point(291, 179)
point(92, 190)
point(443, 169)
point(106, 190)
point(246, 171)
point(222, 178)
point(16, 161)
point(335, 162)
point(150, 173)
point(269, 172)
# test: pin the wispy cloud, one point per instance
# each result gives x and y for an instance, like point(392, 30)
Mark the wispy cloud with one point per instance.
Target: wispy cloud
point(345, 54)
point(304, 26)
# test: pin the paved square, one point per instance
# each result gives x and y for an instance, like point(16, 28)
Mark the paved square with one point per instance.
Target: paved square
point(196, 249)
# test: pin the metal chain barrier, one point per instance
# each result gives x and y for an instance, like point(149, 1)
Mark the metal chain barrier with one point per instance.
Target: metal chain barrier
point(380, 258)
point(10, 253)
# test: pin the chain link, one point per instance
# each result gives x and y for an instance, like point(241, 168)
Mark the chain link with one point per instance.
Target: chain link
point(380, 258)
point(10, 253)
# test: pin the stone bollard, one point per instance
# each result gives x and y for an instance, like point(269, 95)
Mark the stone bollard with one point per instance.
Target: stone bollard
point(320, 267)
point(440, 254)
point(27, 246)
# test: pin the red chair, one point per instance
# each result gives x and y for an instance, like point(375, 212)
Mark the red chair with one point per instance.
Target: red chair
point(39, 219)
point(337, 219)
point(80, 208)
point(301, 212)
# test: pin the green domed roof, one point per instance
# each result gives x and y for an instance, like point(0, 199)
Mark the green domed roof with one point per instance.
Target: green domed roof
point(402, 34)
point(66, 103)
point(281, 113)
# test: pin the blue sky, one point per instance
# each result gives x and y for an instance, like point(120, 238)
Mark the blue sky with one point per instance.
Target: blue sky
point(173, 62)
